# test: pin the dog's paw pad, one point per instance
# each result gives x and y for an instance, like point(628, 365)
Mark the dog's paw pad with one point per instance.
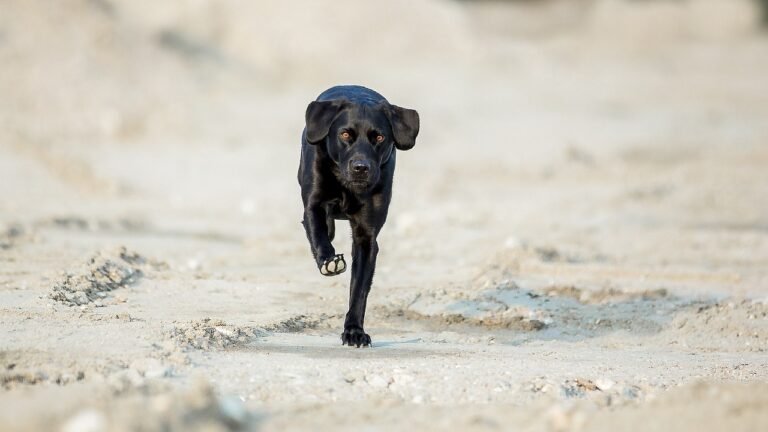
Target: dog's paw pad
point(333, 266)
point(355, 337)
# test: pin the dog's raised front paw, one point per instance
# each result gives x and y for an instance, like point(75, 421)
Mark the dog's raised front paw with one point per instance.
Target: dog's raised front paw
point(355, 337)
point(333, 266)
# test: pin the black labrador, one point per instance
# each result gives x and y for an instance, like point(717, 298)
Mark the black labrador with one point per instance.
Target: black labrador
point(347, 163)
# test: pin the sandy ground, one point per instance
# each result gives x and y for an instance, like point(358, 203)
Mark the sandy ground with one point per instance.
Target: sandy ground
point(578, 241)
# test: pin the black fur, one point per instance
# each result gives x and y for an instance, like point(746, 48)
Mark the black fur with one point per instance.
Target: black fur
point(349, 176)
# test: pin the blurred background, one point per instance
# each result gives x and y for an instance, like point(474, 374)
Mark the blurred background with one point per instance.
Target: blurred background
point(188, 114)
point(567, 148)
point(546, 121)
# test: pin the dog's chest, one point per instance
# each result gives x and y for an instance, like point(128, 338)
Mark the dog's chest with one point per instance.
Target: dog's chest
point(344, 206)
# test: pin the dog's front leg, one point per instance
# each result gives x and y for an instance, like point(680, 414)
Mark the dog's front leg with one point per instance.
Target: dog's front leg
point(364, 252)
point(316, 226)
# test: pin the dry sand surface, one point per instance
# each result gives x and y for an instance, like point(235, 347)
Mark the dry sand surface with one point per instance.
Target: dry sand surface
point(578, 241)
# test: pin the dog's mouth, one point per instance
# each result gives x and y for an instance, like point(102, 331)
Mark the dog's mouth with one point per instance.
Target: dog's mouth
point(358, 184)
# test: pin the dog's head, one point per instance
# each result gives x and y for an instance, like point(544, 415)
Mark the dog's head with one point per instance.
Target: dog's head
point(360, 138)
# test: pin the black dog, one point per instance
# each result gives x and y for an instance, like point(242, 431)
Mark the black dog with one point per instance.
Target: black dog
point(347, 163)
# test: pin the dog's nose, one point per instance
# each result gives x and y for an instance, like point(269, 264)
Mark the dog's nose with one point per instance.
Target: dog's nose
point(361, 167)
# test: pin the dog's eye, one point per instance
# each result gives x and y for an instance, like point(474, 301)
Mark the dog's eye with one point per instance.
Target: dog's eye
point(345, 136)
point(379, 138)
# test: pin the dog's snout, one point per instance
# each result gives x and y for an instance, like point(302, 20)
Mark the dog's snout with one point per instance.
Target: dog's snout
point(360, 166)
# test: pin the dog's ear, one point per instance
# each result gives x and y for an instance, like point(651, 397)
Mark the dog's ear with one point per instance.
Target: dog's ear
point(319, 117)
point(405, 126)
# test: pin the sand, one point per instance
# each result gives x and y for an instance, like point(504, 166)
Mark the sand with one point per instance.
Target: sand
point(578, 241)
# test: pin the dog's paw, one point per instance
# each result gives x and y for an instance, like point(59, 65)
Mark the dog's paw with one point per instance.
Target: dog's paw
point(355, 337)
point(333, 266)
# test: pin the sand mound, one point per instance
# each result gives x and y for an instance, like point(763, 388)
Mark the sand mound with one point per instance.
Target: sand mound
point(506, 319)
point(574, 313)
point(208, 334)
point(194, 409)
point(567, 311)
point(11, 379)
point(11, 236)
point(299, 323)
point(740, 325)
point(104, 272)
point(603, 295)
point(702, 406)
point(709, 406)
